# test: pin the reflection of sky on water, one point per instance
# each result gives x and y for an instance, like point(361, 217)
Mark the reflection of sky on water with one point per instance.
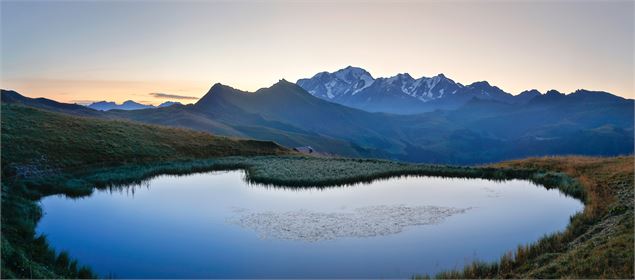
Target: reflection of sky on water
point(176, 226)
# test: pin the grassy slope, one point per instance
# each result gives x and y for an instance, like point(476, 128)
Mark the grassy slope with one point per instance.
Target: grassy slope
point(61, 141)
point(598, 243)
point(43, 146)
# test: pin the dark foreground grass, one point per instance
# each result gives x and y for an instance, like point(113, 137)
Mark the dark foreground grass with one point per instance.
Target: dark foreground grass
point(597, 243)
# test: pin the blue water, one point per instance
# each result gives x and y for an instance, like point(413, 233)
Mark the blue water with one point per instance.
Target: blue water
point(186, 227)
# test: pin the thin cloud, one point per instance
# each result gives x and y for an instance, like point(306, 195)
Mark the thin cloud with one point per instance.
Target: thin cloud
point(172, 96)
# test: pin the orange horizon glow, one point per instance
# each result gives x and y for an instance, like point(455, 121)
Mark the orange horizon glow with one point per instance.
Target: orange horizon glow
point(68, 91)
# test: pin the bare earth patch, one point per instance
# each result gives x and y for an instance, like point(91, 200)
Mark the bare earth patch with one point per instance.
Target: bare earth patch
point(306, 225)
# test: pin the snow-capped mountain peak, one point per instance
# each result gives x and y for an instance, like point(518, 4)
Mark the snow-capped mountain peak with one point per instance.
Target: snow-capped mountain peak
point(352, 74)
point(355, 87)
point(329, 86)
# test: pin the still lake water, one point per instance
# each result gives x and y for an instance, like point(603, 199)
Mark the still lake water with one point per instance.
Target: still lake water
point(215, 225)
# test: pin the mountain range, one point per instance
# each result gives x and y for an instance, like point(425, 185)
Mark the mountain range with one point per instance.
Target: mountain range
point(127, 105)
point(479, 130)
point(402, 94)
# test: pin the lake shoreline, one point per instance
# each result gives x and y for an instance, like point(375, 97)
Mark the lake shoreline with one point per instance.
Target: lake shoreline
point(257, 168)
point(402, 225)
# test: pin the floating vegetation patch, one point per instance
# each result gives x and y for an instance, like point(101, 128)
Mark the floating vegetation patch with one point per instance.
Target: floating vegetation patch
point(370, 221)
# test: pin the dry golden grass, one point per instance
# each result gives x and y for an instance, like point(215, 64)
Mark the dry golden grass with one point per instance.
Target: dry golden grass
point(599, 243)
point(597, 175)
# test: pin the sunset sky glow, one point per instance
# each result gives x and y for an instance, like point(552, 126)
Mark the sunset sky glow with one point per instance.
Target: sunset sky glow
point(156, 51)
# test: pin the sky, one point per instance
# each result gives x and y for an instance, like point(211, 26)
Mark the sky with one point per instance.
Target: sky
point(151, 51)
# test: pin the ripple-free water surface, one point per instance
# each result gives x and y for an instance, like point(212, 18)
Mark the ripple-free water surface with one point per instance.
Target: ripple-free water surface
point(215, 225)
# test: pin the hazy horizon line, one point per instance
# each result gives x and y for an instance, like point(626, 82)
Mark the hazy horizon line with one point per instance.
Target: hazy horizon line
point(165, 96)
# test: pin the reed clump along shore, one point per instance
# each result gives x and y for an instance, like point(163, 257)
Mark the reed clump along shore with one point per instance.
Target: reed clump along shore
point(46, 153)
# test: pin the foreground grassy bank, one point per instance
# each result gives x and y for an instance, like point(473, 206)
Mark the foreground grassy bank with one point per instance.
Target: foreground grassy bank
point(40, 158)
point(39, 148)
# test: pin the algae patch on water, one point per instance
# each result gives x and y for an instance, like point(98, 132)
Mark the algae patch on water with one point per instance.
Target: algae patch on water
point(369, 221)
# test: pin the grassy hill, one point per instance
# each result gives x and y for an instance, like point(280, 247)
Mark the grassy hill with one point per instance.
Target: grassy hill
point(36, 139)
point(46, 153)
point(41, 145)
